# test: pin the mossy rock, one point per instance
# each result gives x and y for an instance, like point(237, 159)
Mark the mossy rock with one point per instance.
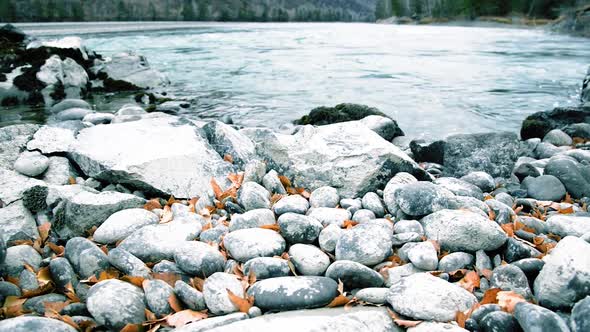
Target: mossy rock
point(340, 113)
point(35, 198)
point(540, 123)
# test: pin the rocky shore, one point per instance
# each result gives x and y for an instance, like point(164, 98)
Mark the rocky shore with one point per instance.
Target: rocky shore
point(145, 221)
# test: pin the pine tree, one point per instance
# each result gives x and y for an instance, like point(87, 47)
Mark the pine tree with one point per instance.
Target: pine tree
point(7, 11)
point(188, 13)
point(203, 10)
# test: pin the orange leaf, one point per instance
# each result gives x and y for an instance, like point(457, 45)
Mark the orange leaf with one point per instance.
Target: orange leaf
point(58, 250)
point(492, 215)
point(132, 328)
point(568, 210)
point(486, 273)
point(402, 322)
point(13, 307)
point(461, 319)
point(152, 204)
point(55, 306)
point(508, 229)
point(174, 303)
point(490, 296)
point(285, 181)
point(137, 281)
point(198, 284)
point(275, 198)
point(339, 301)
point(348, 224)
point(44, 231)
point(216, 188)
point(192, 203)
point(508, 300)
point(518, 209)
point(228, 158)
point(171, 200)
point(72, 180)
point(274, 227)
point(44, 275)
point(470, 281)
point(150, 316)
point(184, 317)
point(43, 289)
point(167, 215)
point(70, 293)
point(242, 304)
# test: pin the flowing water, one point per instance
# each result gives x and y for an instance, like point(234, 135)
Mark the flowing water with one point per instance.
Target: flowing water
point(434, 80)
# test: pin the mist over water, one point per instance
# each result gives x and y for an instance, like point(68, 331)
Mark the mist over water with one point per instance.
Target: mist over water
point(433, 80)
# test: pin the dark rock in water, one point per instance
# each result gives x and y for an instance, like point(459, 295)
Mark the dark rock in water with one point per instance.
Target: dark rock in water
point(580, 319)
point(498, 321)
point(292, 293)
point(493, 153)
point(114, 304)
point(540, 123)
point(570, 174)
point(545, 188)
point(12, 34)
point(341, 113)
point(536, 318)
point(428, 151)
point(354, 275)
point(40, 324)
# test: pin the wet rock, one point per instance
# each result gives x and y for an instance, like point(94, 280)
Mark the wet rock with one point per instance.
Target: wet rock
point(328, 216)
point(98, 118)
point(580, 314)
point(482, 180)
point(86, 257)
point(324, 197)
point(214, 235)
point(493, 153)
point(321, 116)
point(564, 225)
point(13, 140)
point(291, 293)
point(540, 123)
point(536, 318)
point(407, 226)
point(190, 162)
point(351, 205)
point(28, 281)
point(569, 173)
point(422, 198)
point(190, 297)
point(17, 223)
point(525, 170)
point(354, 164)
point(308, 259)
point(422, 254)
point(558, 138)
point(115, 303)
point(329, 237)
point(458, 230)
point(17, 257)
point(127, 263)
point(385, 127)
point(199, 259)
point(561, 283)
point(127, 71)
point(227, 141)
point(354, 275)
point(427, 151)
point(511, 278)
point(157, 293)
point(31, 163)
point(362, 216)
point(460, 187)
point(267, 267)
point(291, 204)
point(499, 321)
point(123, 223)
point(30, 323)
point(425, 297)
point(578, 129)
point(254, 171)
point(246, 244)
point(368, 244)
point(455, 261)
point(399, 240)
point(216, 295)
point(545, 188)
point(253, 196)
point(2, 250)
point(73, 114)
point(372, 202)
point(252, 219)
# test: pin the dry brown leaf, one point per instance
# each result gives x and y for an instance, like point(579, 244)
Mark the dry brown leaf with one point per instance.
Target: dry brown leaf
point(72, 180)
point(461, 319)
point(228, 158)
point(174, 303)
point(508, 300)
point(55, 306)
point(171, 200)
point(70, 293)
point(486, 273)
point(236, 179)
point(44, 275)
point(508, 229)
point(492, 215)
point(251, 277)
point(132, 328)
point(273, 227)
point(150, 316)
point(490, 296)
point(43, 289)
point(568, 210)
point(167, 215)
point(285, 181)
point(518, 209)
point(13, 307)
point(338, 301)
point(402, 322)
point(58, 250)
point(152, 204)
point(470, 282)
point(136, 281)
point(192, 203)
point(216, 188)
point(242, 304)
point(348, 224)
point(568, 199)
point(198, 284)
point(184, 317)
point(275, 198)
point(44, 232)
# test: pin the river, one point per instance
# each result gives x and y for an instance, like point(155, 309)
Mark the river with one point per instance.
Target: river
point(434, 80)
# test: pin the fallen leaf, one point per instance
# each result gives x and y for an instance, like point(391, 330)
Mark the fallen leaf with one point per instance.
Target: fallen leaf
point(70, 293)
point(137, 281)
point(243, 304)
point(216, 188)
point(58, 250)
point(486, 273)
point(492, 215)
point(273, 227)
point(348, 224)
point(490, 296)
point(152, 204)
point(228, 158)
point(13, 307)
point(105, 249)
point(43, 289)
point(184, 317)
point(518, 209)
point(402, 322)
point(55, 306)
point(174, 303)
point(171, 200)
point(198, 284)
point(275, 198)
point(568, 199)
point(508, 300)
point(508, 229)
point(192, 203)
point(132, 328)
point(461, 319)
point(251, 277)
point(236, 179)
point(568, 210)
point(167, 215)
point(72, 180)
point(44, 232)
point(470, 281)
point(338, 301)
point(285, 181)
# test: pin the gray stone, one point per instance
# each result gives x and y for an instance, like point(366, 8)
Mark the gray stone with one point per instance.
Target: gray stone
point(157, 293)
point(329, 216)
point(27, 281)
point(363, 216)
point(38, 324)
point(347, 156)
point(545, 188)
point(399, 240)
point(131, 68)
point(214, 235)
point(422, 198)
point(73, 114)
point(14, 184)
point(273, 184)
point(436, 327)
point(455, 261)
point(86, 257)
point(190, 297)
point(425, 297)
point(398, 181)
point(216, 295)
point(2, 251)
point(291, 293)
point(245, 244)
point(354, 275)
point(99, 118)
point(372, 202)
point(547, 150)
point(52, 139)
point(31, 163)
point(211, 323)
point(156, 242)
point(85, 210)
point(324, 197)
point(199, 259)
point(70, 103)
point(458, 230)
point(581, 130)
point(482, 180)
point(17, 223)
point(368, 244)
point(397, 273)
point(460, 187)
point(59, 171)
point(13, 140)
point(558, 138)
point(422, 254)
point(351, 205)
point(569, 173)
point(17, 257)
point(373, 295)
point(407, 226)
point(254, 171)
point(504, 213)
point(62, 272)
point(252, 219)
point(493, 153)
point(511, 278)
point(564, 225)
point(385, 127)
point(580, 313)
point(534, 318)
point(308, 259)
point(181, 165)
point(123, 223)
point(114, 304)
point(130, 109)
point(498, 321)
point(516, 250)
point(329, 237)
point(291, 204)
point(253, 196)
point(267, 267)
point(565, 277)
point(228, 141)
point(127, 263)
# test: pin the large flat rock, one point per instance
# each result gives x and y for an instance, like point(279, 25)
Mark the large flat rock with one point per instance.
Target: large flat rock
point(348, 156)
point(161, 155)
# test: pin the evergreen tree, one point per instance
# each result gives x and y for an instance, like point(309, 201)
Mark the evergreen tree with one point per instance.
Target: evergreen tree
point(122, 11)
point(204, 10)
point(188, 13)
point(7, 11)
point(77, 11)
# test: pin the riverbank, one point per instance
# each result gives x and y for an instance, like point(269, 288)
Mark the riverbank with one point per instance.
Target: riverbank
point(135, 220)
